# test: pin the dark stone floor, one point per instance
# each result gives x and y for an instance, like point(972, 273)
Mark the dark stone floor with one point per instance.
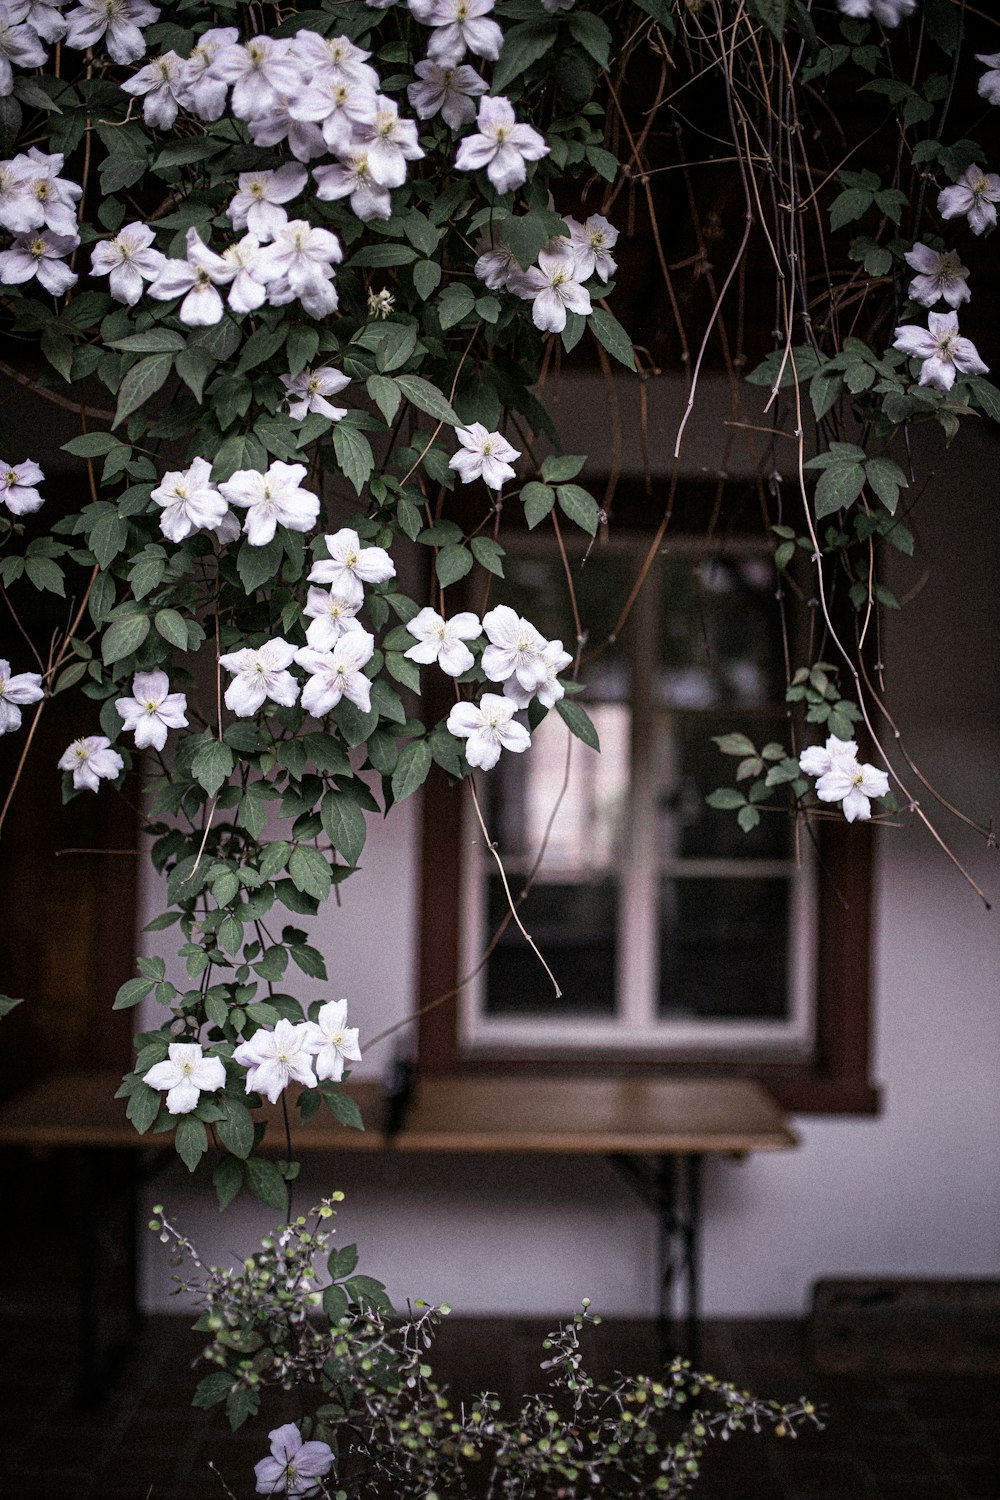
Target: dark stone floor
point(885, 1438)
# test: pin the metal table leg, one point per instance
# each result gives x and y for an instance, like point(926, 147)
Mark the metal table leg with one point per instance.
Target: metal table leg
point(671, 1187)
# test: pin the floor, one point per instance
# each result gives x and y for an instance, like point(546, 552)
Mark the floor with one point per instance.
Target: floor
point(913, 1438)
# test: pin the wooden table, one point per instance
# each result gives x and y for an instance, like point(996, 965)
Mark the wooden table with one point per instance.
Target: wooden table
point(655, 1131)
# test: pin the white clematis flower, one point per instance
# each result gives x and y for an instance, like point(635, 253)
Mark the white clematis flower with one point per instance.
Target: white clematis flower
point(260, 71)
point(450, 91)
point(852, 784)
point(887, 12)
point(553, 287)
point(487, 728)
point(943, 351)
point(160, 85)
point(443, 640)
point(816, 760)
point(338, 674)
point(117, 21)
point(590, 244)
point(187, 1074)
point(483, 454)
point(988, 87)
point(189, 501)
point(15, 692)
point(496, 263)
point(460, 26)
point(272, 499)
point(40, 254)
point(388, 143)
point(195, 279)
point(152, 710)
point(299, 263)
point(335, 1042)
point(350, 565)
point(274, 1059)
point(91, 760)
point(549, 689)
point(293, 1466)
point(246, 292)
point(338, 107)
point(501, 145)
point(515, 649)
point(257, 205)
point(352, 178)
point(44, 18)
point(128, 260)
point(201, 93)
point(331, 615)
point(260, 672)
point(17, 487)
point(975, 194)
point(37, 196)
point(307, 392)
point(942, 275)
point(19, 45)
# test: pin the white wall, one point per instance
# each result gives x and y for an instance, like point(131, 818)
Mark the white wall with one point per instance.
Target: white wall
point(915, 1191)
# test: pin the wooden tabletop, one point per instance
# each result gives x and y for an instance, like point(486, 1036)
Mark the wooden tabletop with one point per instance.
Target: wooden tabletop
point(598, 1117)
point(474, 1113)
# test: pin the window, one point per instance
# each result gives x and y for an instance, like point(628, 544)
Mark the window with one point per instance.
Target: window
point(676, 938)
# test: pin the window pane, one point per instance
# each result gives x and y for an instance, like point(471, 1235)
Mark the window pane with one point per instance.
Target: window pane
point(724, 949)
point(574, 926)
point(689, 766)
point(718, 638)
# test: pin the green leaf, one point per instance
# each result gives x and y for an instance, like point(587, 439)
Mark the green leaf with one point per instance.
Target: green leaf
point(886, 479)
point(452, 563)
point(987, 396)
point(334, 1303)
point(592, 34)
point(266, 1183)
point(257, 565)
point(344, 825)
point(411, 769)
point(488, 554)
point(91, 444)
point(748, 817)
point(143, 1106)
point(579, 506)
point(369, 1292)
point(153, 341)
point(241, 451)
point(610, 333)
point(227, 1180)
point(725, 799)
point(839, 485)
point(191, 1140)
point(310, 872)
point(141, 381)
point(341, 1263)
point(426, 278)
point(850, 205)
point(522, 46)
point(386, 395)
point(123, 637)
point(212, 766)
point(170, 625)
point(427, 398)
point(354, 451)
point(396, 347)
point(734, 744)
point(384, 256)
point(7, 1004)
point(538, 500)
point(235, 1129)
point(579, 722)
point(558, 468)
point(131, 992)
point(343, 1108)
point(773, 14)
point(455, 303)
point(215, 1387)
point(108, 536)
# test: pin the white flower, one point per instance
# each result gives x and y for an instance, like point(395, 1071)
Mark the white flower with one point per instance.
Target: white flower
point(195, 279)
point(515, 649)
point(331, 615)
point(308, 391)
point(852, 785)
point(39, 196)
point(271, 499)
point(44, 18)
point(549, 690)
point(189, 500)
point(816, 760)
point(246, 293)
point(335, 1042)
point(128, 260)
point(274, 1059)
point(187, 1073)
point(293, 1464)
point(388, 144)
point(90, 759)
point(487, 728)
point(300, 260)
point(19, 211)
point(941, 275)
point(443, 640)
point(26, 687)
point(39, 254)
point(485, 454)
point(888, 12)
point(353, 178)
point(17, 490)
point(161, 85)
point(260, 70)
point(459, 27)
point(260, 673)
point(988, 87)
point(118, 21)
point(339, 107)
point(381, 303)
point(590, 244)
point(257, 205)
point(20, 45)
point(496, 262)
point(152, 710)
point(502, 146)
point(202, 93)
point(350, 565)
point(337, 674)
point(975, 194)
point(553, 287)
point(334, 57)
point(448, 90)
point(942, 349)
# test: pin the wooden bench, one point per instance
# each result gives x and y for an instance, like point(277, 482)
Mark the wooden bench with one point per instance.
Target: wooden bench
point(656, 1132)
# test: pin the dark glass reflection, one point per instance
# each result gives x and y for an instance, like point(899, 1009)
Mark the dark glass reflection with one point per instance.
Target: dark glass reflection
point(574, 926)
point(724, 949)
